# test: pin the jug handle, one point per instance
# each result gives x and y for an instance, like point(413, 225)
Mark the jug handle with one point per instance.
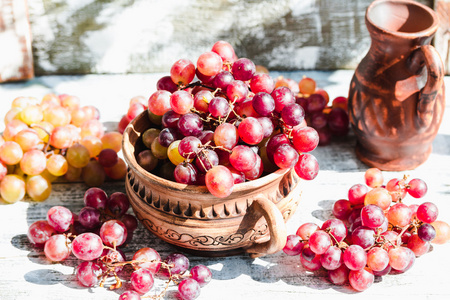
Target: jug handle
point(435, 77)
point(277, 228)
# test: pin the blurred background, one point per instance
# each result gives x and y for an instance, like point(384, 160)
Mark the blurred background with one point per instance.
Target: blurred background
point(71, 37)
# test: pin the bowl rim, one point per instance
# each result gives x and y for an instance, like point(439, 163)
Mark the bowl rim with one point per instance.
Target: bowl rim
point(128, 149)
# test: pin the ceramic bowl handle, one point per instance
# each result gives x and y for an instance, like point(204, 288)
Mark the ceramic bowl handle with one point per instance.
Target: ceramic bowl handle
point(435, 77)
point(277, 228)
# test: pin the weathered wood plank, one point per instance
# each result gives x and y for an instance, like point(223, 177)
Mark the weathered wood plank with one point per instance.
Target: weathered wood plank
point(16, 59)
point(92, 36)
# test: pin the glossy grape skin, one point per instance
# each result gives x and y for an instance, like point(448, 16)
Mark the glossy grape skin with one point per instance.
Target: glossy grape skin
point(118, 203)
point(310, 261)
point(27, 139)
point(342, 209)
point(339, 276)
point(251, 131)
point(39, 232)
point(307, 85)
point(209, 63)
point(33, 162)
point(179, 264)
point(336, 228)
point(305, 139)
point(108, 158)
point(363, 236)
point(95, 197)
point(142, 280)
point(57, 247)
point(87, 246)
point(173, 154)
point(418, 246)
point(159, 102)
point(377, 259)
point(181, 102)
point(372, 216)
point(306, 229)
point(166, 137)
point(442, 232)
point(151, 257)
point(307, 166)
point(38, 188)
point(57, 165)
point(226, 135)
point(190, 124)
point(60, 218)
point(427, 212)
point(185, 173)
point(243, 69)
point(237, 91)
point(400, 257)
point(147, 160)
point(166, 83)
point(182, 72)
point(285, 156)
point(417, 188)
point(319, 242)
point(89, 217)
point(219, 181)
point(242, 158)
point(113, 233)
point(188, 289)
point(354, 257)
point(362, 279)
point(88, 273)
point(201, 274)
point(293, 114)
point(206, 159)
point(294, 245)
point(399, 215)
point(373, 177)
point(332, 258)
point(257, 171)
point(378, 196)
point(222, 80)
point(426, 232)
point(12, 188)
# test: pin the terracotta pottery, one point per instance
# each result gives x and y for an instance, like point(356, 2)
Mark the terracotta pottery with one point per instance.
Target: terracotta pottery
point(252, 219)
point(396, 96)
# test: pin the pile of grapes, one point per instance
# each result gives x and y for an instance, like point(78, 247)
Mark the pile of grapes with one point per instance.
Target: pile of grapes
point(329, 120)
point(94, 235)
point(52, 138)
point(374, 232)
point(230, 126)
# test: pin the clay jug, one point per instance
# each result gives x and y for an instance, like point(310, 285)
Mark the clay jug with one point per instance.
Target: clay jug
point(396, 96)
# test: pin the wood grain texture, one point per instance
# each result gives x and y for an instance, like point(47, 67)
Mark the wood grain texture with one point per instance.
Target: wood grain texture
point(26, 274)
point(16, 59)
point(93, 36)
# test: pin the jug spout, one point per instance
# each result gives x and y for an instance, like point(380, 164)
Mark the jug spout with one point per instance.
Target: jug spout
point(427, 96)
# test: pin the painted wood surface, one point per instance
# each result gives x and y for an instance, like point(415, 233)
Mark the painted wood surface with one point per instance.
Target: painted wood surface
point(16, 58)
point(26, 274)
point(93, 36)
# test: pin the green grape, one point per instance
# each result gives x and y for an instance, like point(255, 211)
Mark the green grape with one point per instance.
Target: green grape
point(27, 139)
point(78, 155)
point(118, 171)
point(23, 102)
point(43, 130)
point(38, 188)
point(147, 160)
point(160, 152)
point(93, 174)
point(112, 140)
point(33, 162)
point(73, 174)
point(149, 136)
point(93, 144)
point(92, 128)
point(12, 188)
point(57, 165)
point(31, 114)
point(12, 114)
point(11, 153)
point(173, 153)
point(57, 116)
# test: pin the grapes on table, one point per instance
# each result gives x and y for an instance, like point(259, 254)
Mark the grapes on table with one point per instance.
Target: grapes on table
point(53, 138)
point(96, 237)
point(223, 112)
point(373, 233)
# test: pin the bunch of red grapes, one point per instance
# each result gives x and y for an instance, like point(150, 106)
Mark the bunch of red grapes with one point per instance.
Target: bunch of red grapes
point(95, 236)
point(374, 232)
point(53, 138)
point(330, 120)
point(230, 126)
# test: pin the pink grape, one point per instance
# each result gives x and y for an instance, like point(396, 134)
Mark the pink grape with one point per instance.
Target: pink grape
point(142, 280)
point(225, 51)
point(294, 245)
point(377, 259)
point(130, 295)
point(201, 274)
point(305, 139)
point(179, 263)
point(293, 114)
point(262, 83)
point(189, 289)
point(209, 63)
point(335, 228)
point(307, 166)
point(332, 258)
point(159, 102)
point(251, 131)
point(60, 218)
point(237, 91)
point(319, 242)
point(88, 273)
point(57, 247)
point(226, 135)
point(357, 193)
point(219, 181)
point(181, 102)
point(417, 188)
point(87, 246)
point(113, 233)
point(427, 212)
point(263, 104)
point(39, 232)
point(182, 72)
point(95, 197)
point(166, 83)
point(354, 257)
point(219, 107)
point(285, 156)
point(362, 279)
point(242, 158)
point(339, 276)
point(372, 216)
point(150, 259)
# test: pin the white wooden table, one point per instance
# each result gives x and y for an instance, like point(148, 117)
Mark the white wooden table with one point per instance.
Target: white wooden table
point(26, 274)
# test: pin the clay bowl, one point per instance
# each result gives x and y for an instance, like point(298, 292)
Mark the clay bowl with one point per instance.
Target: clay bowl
point(252, 219)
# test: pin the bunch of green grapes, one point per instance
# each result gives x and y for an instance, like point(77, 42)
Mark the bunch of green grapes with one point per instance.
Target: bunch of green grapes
point(55, 138)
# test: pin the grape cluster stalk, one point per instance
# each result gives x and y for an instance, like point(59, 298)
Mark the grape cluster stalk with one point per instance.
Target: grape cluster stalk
point(54, 138)
point(374, 232)
point(95, 237)
point(229, 126)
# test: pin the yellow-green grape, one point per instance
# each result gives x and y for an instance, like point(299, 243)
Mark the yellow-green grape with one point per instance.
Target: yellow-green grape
point(11, 153)
point(155, 119)
point(79, 116)
point(27, 139)
point(43, 130)
point(57, 116)
point(173, 154)
point(23, 102)
point(50, 100)
point(91, 112)
point(92, 128)
point(93, 144)
point(38, 188)
point(112, 140)
point(31, 114)
point(118, 171)
point(78, 155)
point(33, 162)
point(93, 174)
point(69, 101)
point(12, 114)
point(57, 165)
point(159, 151)
point(61, 137)
point(49, 176)
point(12, 188)
point(149, 135)
point(13, 128)
point(147, 160)
point(73, 174)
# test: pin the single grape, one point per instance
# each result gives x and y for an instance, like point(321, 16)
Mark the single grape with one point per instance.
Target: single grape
point(95, 197)
point(88, 273)
point(417, 245)
point(354, 257)
point(142, 280)
point(285, 156)
point(417, 188)
point(427, 212)
point(178, 263)
point(57, 247)
point(189, 289)
point(294, 245)
point(150, 259)
point(89, 217)
point(363, 236)
point(319, 242)
point(362, 279)
point(225, 51)
point(251, 131)
point(130, 295)
point(305, 139)
point(257, 171)
point(190, 124)
point(400, 258)
point(263, 104)
point(342, 209)
point(262, 83)
point(147, 160)
point(185, 173)
point(336, 228)
point(57, 165)
point(182, 72)
point(108, 158)
point(181, 102)
point(378, 196)
point(60, 218)
point(93, 174)
point(339, 276)
point(399, 215)
point(39, 232)
point(166, 83)
point(307, 85)
point(87, 246)
point(201, 274)
point(338, 121)
point(442, 232)
point(307, 166)
point(206, 159)
point(33, 162)
point(168, 120)
point(306, 230)
point(243, 69)
point(226, 135)
point(37, 187)
point(219, 181)
point(293, 114)
point(237, 91)
point(166, 137)
point(372, 216)
point(373, 177)
point(222, 80)
point(242, 158)
point(209, 63)
point(426, 232)
point(113, 233)
point(377, 259)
